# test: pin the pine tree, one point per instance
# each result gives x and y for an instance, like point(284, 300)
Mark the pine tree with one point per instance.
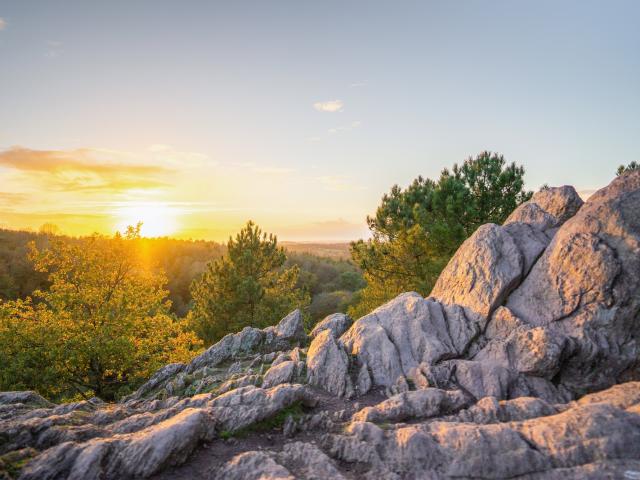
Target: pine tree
point(416, 231)
point(247, 287)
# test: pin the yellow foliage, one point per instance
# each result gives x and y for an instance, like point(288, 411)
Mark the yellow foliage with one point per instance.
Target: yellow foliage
point(102, 327)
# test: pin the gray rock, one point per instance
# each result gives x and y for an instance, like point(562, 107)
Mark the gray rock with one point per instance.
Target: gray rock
point(338, 323)
point(305, 459)
point(482, 272)
point(172, 379)
point(586, 286)
point(243, 381)
point(291, 328)
point(144, 443)
point(281, 373)
point(24, 397)
point(308, 462)
point(430, 402)
point(573, 436)
point(253, 466)
point(328, 365)
point(548, 209)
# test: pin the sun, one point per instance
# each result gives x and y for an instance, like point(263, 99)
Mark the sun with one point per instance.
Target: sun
point(158, 219)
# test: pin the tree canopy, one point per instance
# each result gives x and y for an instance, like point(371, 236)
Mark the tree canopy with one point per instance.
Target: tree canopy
point(249, 286)
point(415, 231)
point(102, 327)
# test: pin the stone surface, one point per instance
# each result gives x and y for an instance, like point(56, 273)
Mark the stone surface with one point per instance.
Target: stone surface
point(548, 209)
point(430, 402)
point(281, 373)
point(338, 323)
point(140, 442)
point(483, 271)
point(327, 365)
point(587, 286)
point(597, 435)
point(237, 353)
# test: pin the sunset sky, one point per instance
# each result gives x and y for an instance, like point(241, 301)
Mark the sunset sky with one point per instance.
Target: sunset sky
point(197, 116)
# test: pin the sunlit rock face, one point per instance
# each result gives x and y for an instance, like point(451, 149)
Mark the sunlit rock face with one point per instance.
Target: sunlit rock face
point(520, 364)
point(546, 304)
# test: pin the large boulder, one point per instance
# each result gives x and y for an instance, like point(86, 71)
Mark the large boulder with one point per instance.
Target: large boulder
point(397, 339)
point(586, 287)
point(483, 271)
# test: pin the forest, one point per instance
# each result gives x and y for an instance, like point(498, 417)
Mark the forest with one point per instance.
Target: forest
point(325, 269)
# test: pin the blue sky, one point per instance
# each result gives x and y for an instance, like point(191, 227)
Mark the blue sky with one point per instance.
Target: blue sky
point(300, 115)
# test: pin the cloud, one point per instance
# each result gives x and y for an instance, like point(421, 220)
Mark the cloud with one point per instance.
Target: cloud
point(358, 84)
point(83, 169)
point(3, 23)
point(11, 199)
point(329, 106)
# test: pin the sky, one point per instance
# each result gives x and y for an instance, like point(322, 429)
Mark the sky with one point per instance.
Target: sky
point(197, 116)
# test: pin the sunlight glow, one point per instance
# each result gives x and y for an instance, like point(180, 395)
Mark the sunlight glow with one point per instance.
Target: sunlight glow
point(158, 219)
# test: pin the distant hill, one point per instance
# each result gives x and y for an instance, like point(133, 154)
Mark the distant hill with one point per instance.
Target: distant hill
point(338, 251)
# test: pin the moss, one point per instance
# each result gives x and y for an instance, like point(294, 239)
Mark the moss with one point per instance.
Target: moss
point(225, 434)
point(12, 463)
point(295, 410)
point(275, 422)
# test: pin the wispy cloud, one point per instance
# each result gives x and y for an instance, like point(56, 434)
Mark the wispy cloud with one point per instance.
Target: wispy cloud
point(358, 84)
point(329, 106)
point(11, 199)
point(3, 23)
point(83, 169)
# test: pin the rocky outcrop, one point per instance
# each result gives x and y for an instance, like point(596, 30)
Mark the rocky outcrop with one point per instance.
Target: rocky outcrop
point(586, 287)
point(338, 323)
point(242, 353)
point(524, 438)
point(520, 364)
point(430, 402)
point(149, 438)
point(521, 309)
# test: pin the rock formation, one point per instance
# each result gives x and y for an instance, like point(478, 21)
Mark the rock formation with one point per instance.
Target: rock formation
point(522, 363)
